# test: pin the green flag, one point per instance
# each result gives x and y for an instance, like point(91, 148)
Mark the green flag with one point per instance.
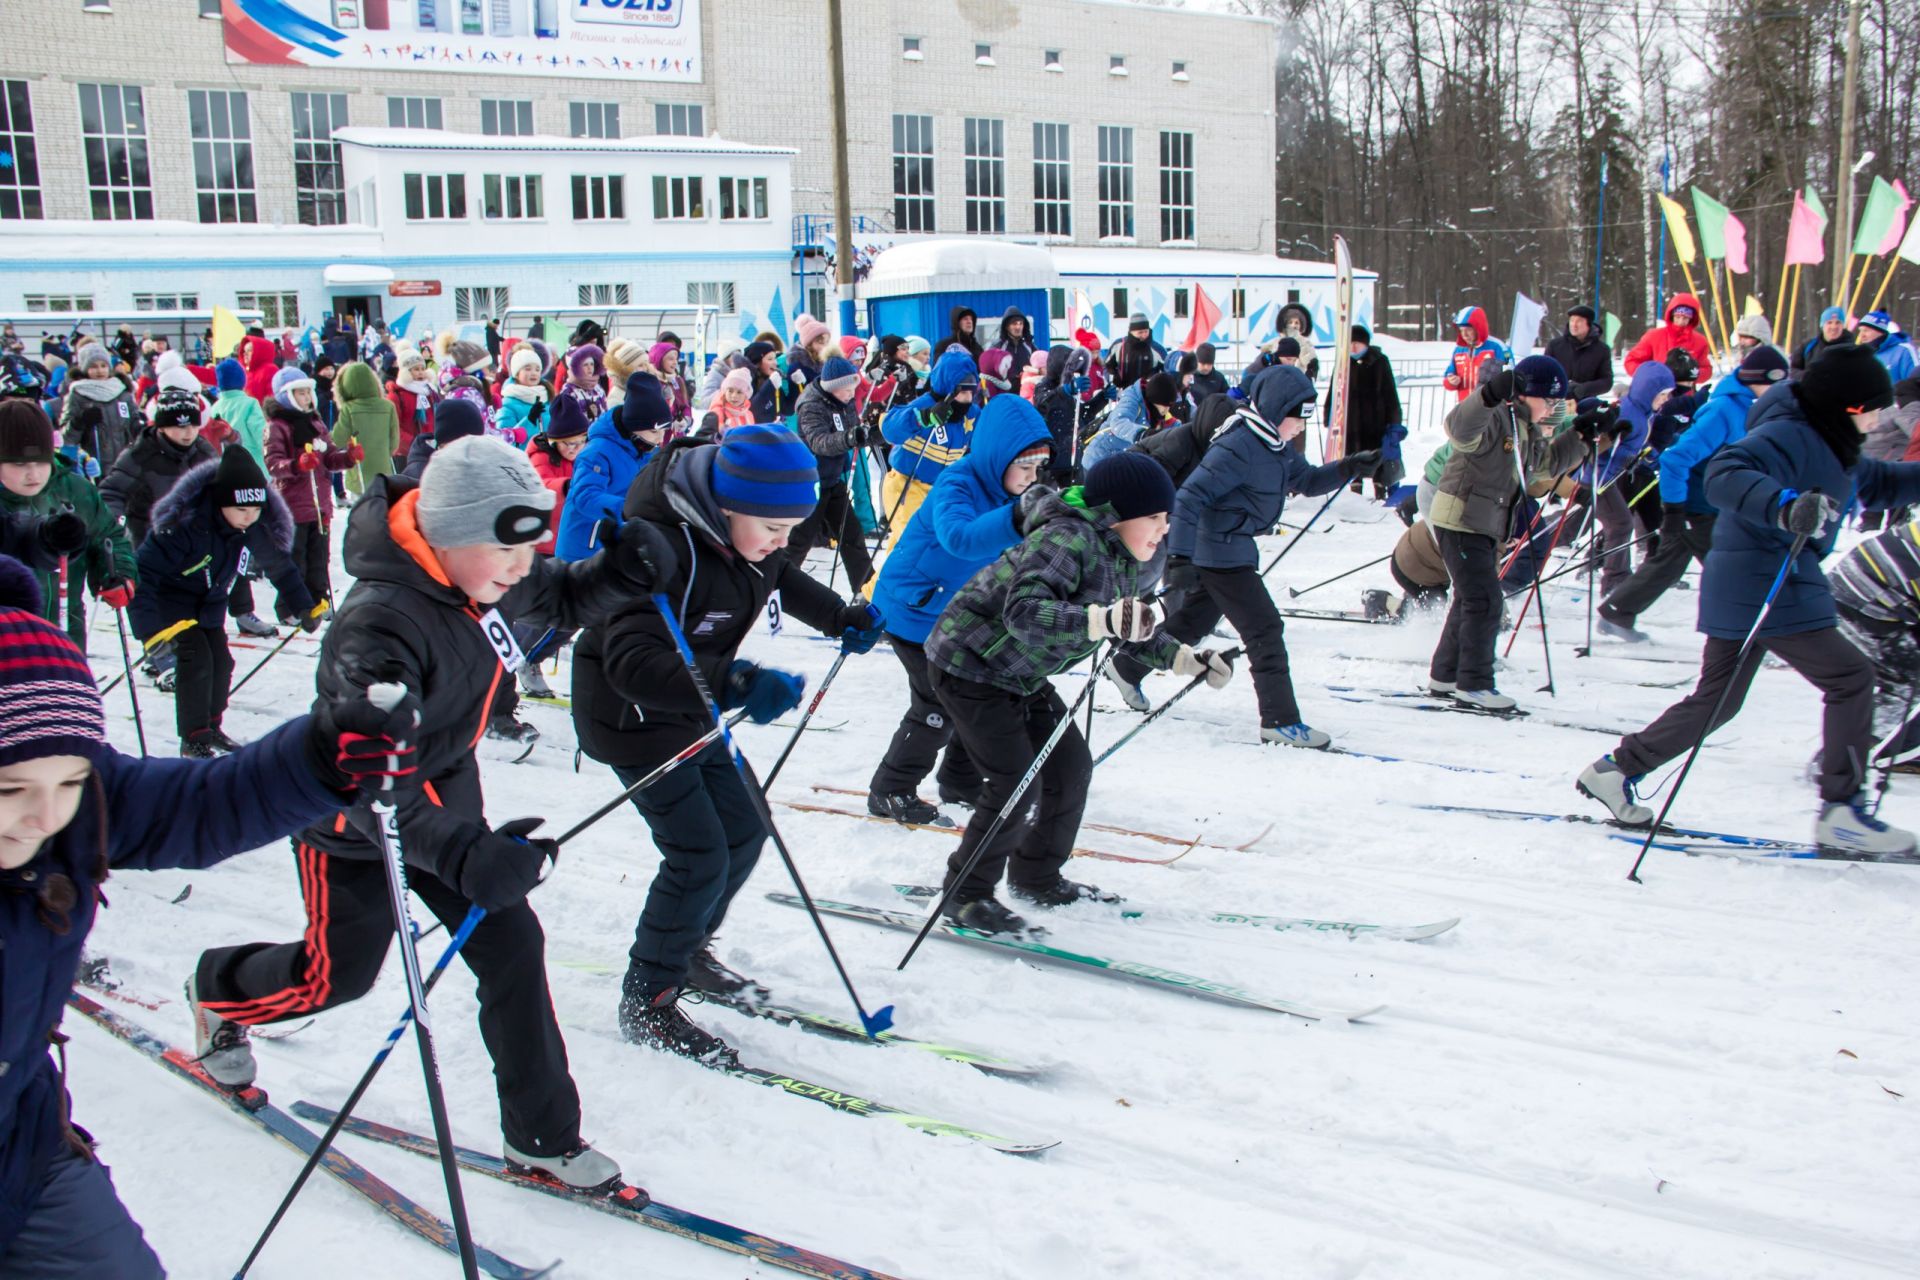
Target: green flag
point(1883, 205)
point(1613, 328)
point(1712, 217)
point(1819, 210)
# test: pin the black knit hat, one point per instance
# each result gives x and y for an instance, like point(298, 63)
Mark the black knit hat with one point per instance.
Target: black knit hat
point(1762, 367)
point(1846, 379)
point(1159, 390)
point(1360, 333)
point(1585, 312)
point(1133, 484)
point(1684, 367)
point(454, 418)
point(238, 480)
point(176, 409)
point(26, 432)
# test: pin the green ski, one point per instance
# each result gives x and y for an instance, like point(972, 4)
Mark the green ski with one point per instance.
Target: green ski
point(1277, 924)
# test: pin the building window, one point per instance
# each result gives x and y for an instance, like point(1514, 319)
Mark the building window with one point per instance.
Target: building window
point(1052, 179)
point(1176, 187)
point(479, 302)
point(319, 185)
point(678, 199)
point(1180, 72)
point(1116, 182)
point(1239, 304)
point(604, 295)
point(743, 200)
point(19, 159)
point(222, 155)
point(1120, 304)
point(413, 113)
point(210, 9)
point(1117, 64)
point(598, 198)
point(1050, 61)
point(38, 303)
point(913, 173)
point(711, 293)
point(277, 310)
point(593, 119)
point(506, 117)
point(983, 55)
point(910, 48)
point(510, 195)
point(986, 177)
point(436, 197)
point(113, 130)
point(166, 302)
point(680, 119)
point(1057, 303)
point(816, 301)
point(1180, 304)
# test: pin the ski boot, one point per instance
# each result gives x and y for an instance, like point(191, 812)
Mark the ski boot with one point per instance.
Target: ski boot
point(1849, 826)
point(220, 1045)
point(252, 624)
point(951, 794)
point(222, 743)
point(199, 746)
point(1619, 626)
point(1605, 781)
point(1440, 688)
point(985, 915)
point(650, 1014)
point(1060, 892)
point(1489, 700)
point(1296, 735)
point(582, 1169)
point(1379, 605)
point(907, 809)
point(510, 728)
point(707, 975)
point(1132, 694)
point(533, 683)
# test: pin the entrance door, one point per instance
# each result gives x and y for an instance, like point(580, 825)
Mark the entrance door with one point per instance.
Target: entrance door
point(365, 307)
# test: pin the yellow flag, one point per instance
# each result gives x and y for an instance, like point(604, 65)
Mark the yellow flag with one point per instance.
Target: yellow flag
point(1753, 306)
point(227, 332)
point(1677, 228)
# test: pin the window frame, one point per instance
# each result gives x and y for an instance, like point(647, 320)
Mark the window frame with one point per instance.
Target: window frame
point(1176, 180)
point(1053, 179)
point(126, 187)
point(687, 190)
point(497, 297)
point(521, 110)
point(163, 301)
point(432, 111)
point(585, 116)
point(915, 202)
point(452, 191)
point(742, 193)
point(279, 308)
point(725, 295)
point(1115, 211)
point(604, 295)
point(22, 197)
point(984, 149)
point(315, 156)
point(502, 193)
point(45, 303)
point(691, 115)
point(608, 190)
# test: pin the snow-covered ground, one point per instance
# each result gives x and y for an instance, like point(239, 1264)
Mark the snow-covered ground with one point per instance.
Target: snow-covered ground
point(1712, 1074)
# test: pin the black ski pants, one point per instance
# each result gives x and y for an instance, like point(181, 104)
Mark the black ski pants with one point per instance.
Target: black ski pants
point(924, 731)
point(1467, 638)
point(1684, 536)
point(310, 550)
point(833, 521)
point(349, 924)
point(1828, 662)
point(203, 667)
point(709, 835)
point(1241, 597)
point(1003, 733)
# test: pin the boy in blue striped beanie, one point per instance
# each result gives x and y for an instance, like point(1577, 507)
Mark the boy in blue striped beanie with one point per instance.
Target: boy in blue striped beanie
point(731, 509)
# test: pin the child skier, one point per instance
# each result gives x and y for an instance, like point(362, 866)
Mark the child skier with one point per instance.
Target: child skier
point(731, 508)
point(99, 417)
point(618, 445)
point(552, 453)
point(166, 449)
point(35, 481)
point(298, 448)
point(830, 426)
point(584, 366)
point(437, 568)
point(927, 433)
point(1078, 577)
point(523, 397)
point(731, 406)
point(217, 515)
point(367, 419)
point(1239, 491)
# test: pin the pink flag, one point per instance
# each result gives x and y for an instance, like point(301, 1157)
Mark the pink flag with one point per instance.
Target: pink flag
point(1805, 239)
point(1899, 227)
point(1734, 232)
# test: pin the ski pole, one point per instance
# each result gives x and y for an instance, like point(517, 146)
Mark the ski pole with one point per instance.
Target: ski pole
point(1546, 648)
point(880, 1019)
point(1008, 809)
point(813, 706)
point(392, 857)
point(1282, 553)
point(474, 916)
point(1296, 593)
point(1534, 590)
point(271, 653)
point(1713, 717)
point(1580, 565)
point(687, 753)
point(133, 694)
point(1160, 710)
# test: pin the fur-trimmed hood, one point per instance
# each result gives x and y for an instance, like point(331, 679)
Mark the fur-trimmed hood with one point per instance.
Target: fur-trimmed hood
point(189, 505)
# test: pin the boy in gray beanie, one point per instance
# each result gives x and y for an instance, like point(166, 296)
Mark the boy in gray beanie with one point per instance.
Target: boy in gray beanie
point(441, 572)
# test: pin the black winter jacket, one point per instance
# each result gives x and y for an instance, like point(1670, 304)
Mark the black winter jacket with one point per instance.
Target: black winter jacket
point(401, 622)
point(1179, 448)
point(831, 429)
point(143, 474)
point(1373, 400)
point(633, 703)
point(1589, 364)
point(191, 557)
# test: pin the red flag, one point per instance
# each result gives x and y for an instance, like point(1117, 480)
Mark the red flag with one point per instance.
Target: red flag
point(1205, 317)
point(1805, 235)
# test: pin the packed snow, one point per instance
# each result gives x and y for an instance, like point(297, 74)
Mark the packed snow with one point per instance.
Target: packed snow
point(1712, 1074)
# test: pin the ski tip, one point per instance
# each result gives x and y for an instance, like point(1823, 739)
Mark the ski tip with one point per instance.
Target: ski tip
point(879, 1020)
point(1363, 1014)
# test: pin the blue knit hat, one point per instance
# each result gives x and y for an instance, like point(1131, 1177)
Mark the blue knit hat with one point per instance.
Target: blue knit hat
point(454, 418)
point(838, 374)
point(764, 470)
point(230, 375)
point(1133, 484)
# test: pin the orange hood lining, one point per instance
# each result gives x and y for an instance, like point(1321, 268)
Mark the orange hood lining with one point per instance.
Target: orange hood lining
point(403, 522)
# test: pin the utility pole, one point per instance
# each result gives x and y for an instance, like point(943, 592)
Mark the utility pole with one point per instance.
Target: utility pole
point(1842, 255)
point(843, 191)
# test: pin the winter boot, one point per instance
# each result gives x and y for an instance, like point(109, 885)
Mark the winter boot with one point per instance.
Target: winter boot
point(532, 683)
point(582, 1169)
point(225, 745)
point(1132, 694)
point(1491, 700)
point(706, 974)
point(219, 1045)
point(252, 624)
point(1378, 604)
point(1060, 892)
point(650, 1014)
point(1847, 826)
point(199, 747)
point(906, 808)
point(510, 728)
point(1603, 780)
point(985, 915)
point(1618, 625)
point(164, 681)
point(1296, 735)
point(1440, 688)
point(968, 796)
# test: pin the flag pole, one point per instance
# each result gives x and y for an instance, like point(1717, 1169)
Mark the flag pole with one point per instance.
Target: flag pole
point(1780, 308)
point(1719, 314)
point(1733, 298)
point(1866, 268)
point(1887, 280)
point(1793, 300)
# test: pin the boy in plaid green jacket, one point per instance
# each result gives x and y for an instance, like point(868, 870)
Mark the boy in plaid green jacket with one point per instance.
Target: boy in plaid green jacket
point(1088, 558)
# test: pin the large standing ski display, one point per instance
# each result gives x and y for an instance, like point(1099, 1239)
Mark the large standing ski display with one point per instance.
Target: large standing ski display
point(1335, 443)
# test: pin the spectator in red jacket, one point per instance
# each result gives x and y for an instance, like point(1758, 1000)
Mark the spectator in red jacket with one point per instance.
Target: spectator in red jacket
point(261, 360)
point(1681, 329)
point(1476, 357)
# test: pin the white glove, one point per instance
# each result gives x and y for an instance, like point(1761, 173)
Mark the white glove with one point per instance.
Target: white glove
point(1215, 666)
point(1128, 621)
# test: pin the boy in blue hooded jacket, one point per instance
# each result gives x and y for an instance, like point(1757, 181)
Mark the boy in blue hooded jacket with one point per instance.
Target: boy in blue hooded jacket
point(928, 433)
point(1613, 457)
point(965, 523)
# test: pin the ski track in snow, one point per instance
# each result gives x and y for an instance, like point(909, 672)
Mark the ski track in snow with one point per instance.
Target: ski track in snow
point(1587, 1078)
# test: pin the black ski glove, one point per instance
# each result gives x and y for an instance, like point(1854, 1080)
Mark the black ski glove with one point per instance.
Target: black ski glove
point(353, 745)
point(502, 866)
point(537, 411)
point(1595, 423)
point(1181, 575)
point(64, 533)
point(644, 555)
point(1364, 463)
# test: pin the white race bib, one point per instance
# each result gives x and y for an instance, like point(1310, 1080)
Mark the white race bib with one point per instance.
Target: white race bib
point(774, 614)
point(499, 634)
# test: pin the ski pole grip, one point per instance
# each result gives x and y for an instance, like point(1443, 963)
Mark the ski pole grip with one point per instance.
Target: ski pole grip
point(386, 696)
